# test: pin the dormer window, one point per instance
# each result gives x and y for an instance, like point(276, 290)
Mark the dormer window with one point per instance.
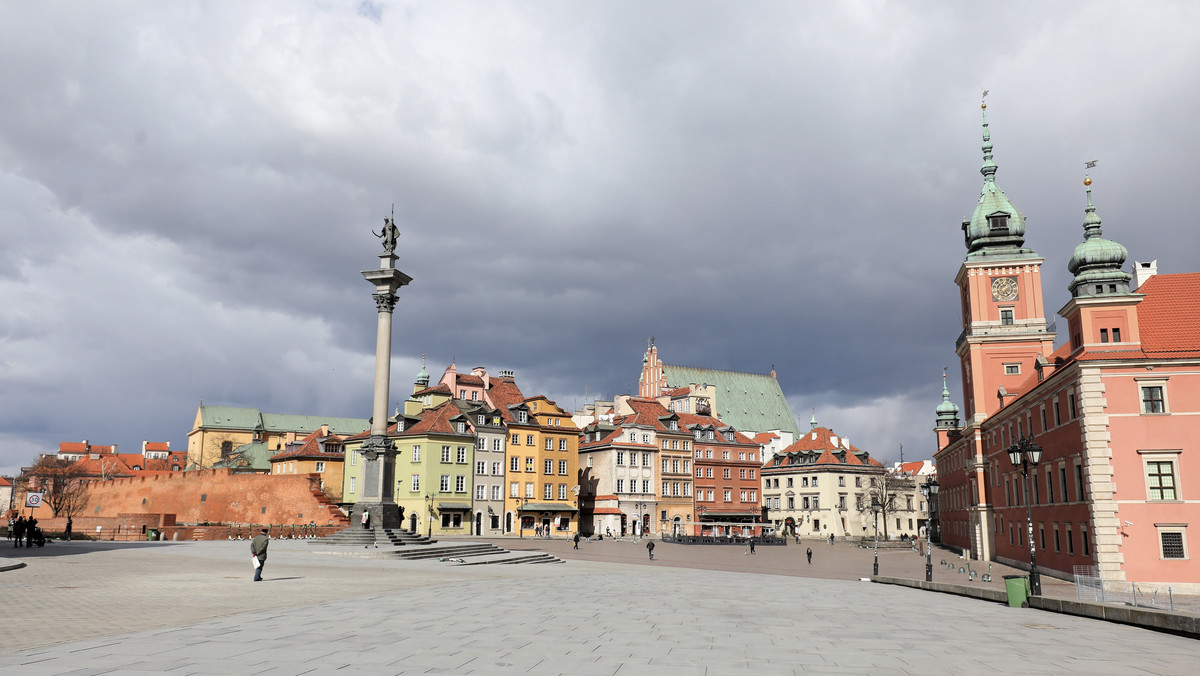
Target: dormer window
point(399, 425)
point(697, 435)
point(462, 427)
point(998, 222)
point(522, 417)
point(674, 425)
point(709, 435)
point(729, 436)
point(479, 419)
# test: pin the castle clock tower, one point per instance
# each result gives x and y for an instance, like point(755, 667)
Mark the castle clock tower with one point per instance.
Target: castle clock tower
point(1000, 285)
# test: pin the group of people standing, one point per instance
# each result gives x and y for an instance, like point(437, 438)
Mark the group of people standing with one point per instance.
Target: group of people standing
point(25, 529)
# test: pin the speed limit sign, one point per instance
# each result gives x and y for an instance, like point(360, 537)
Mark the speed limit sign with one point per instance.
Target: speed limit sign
point(33, 500)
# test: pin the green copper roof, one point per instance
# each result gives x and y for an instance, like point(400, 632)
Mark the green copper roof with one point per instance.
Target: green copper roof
point(1097, 262)
point(234, 417)
point(997, 226)
point(254, 456)
point(747, 401)
point(947, 411)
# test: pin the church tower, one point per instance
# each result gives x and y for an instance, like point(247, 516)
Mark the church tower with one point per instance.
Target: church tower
point(1000, 284)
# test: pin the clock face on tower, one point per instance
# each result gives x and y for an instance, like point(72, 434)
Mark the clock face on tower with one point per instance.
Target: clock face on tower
point(1004, 288)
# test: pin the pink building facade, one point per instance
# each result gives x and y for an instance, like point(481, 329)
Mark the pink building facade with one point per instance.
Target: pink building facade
point(1115, 408)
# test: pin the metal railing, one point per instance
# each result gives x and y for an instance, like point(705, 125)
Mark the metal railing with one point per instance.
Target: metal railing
point(1089, 586)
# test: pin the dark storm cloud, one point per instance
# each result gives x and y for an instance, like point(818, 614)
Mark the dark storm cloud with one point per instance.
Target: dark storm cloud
point(188, 192)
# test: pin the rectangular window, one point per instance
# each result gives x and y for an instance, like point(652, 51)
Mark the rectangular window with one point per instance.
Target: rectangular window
point(1103, 335)
point(699, 472)
point(320, 466)
point(445, 454)
point(1071, 406)
point(514, 490)
point(742, 473)
point(497, 469)
point(460, 484)
point(1012, 369)
point(496, 491)
point(497, 444)
point(562, 491)
point(353, 485)
point(1083, 540)
point(416, 453)
point(528, 439)
point(620, 458)
point(665, 486)
point(728, 496)
point(726, 474)
point(1152, 399)
point(646, 460)
point(444, 485)
point(548, 492)
point(549, 444)
point(1006, 317)
point(1160, 478)
point(529, 489)
point(1172, 544)
point(686, 444)
point(620, 485)
point(791, 503)
point(1070, 541)
point(1049, 485)
point(1116, 333)
point(1057, 543)
point(1057, 414)
point(562, 467)
point(516, 439)
point(1062, 483)
point(562, 444)
point(708, 472)
point(481, 467)
point(529, 465)
point(416, 483)
point(1079, 483)
point(514, 464)
point(548, 467)
point(742, 496)
point(461, 455)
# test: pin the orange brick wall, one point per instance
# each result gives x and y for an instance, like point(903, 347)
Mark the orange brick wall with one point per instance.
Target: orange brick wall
point(216, 496)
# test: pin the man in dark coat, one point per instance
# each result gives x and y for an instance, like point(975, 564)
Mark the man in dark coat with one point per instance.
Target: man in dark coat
point(19, 530)
point(258, 548)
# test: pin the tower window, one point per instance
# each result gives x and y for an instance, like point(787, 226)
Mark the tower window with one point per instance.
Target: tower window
point(1103, 335)
point(1099, 289)
point(998, 222)
point(1012, 369)
point(1006, 317)
point(1116, 335)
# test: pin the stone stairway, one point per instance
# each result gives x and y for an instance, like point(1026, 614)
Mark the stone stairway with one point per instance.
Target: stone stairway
point(353, 536)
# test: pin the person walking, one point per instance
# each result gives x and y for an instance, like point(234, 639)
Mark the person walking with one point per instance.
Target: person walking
point(809, 552)
point(258, 551)
point(751, 545)
point(30, 529)
point(19, 530)
point(366, 519)
point(69, 524)
point(650, 548)
point(576, 541)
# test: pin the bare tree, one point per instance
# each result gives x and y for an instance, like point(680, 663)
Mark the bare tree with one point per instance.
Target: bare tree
point(63, 484)
point(883, 493)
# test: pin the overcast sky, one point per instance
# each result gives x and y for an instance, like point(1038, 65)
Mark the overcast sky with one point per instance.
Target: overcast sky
point(187, 192)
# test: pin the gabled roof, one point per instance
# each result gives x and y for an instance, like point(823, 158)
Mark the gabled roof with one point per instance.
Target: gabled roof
point(748, 401)
point(254, 456)
point(158, 446)
point(504, 393)
point(650, 413)
point(436, 389)
point(690, 420)
point(5, 482)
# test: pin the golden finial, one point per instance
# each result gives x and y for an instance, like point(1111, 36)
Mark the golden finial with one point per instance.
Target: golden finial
point(1087, 180)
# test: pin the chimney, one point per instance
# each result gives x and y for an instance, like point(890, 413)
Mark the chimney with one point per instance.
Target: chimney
point(324, 430)
point(1143, 271)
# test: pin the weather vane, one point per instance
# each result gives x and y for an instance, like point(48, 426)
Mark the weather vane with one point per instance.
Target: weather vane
point(1087, 180)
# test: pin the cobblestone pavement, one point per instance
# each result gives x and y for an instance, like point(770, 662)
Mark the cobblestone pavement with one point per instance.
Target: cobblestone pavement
point(190, 608)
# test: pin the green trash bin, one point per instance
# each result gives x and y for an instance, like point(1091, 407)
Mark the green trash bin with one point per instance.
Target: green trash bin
point(151, 534)
point(1017, 587)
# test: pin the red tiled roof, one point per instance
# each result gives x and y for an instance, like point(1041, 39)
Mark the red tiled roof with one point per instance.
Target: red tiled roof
point(311, 447)
point(606, 510)
point(158, 445)
point(765, 437)
point(5, 482)
point(443, 389)
point(822, 443)
point(687, 419)
point(464, 379)
point(1169, 315)
point(504, 393)
point(436, 420)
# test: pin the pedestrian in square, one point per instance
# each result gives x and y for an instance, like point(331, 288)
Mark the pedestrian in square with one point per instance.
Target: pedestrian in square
point(576, 541)
point(751, 545)
point(19, 530)
point(366, 519)
point(258, 550)
point(650, 548)
point(809, 552)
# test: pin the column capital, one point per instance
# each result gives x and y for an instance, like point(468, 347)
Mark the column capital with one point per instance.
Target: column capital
point(384, 302)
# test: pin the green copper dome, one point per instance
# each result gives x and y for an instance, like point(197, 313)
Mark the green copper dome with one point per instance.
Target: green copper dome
point(1097, 262)
point(947, 411)
point(423, 375)
point(997, 226)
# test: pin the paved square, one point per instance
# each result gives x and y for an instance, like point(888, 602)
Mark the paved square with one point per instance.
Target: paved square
point(190, 608)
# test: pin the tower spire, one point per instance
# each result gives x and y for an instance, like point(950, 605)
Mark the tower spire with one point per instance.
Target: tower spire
point(989, 167)
point(996, 227)
point(1097, 262)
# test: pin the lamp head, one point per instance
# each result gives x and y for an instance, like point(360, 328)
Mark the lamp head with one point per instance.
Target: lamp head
point(1014, 455)
point(1034, 452)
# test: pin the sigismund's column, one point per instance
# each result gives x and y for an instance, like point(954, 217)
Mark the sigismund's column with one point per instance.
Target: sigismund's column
point(379, 453)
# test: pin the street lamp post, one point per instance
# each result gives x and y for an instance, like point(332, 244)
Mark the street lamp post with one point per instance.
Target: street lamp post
point(521, 518)
point(1026, 454)
point(700, 510)
point(875, 505)
point(929, 490)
